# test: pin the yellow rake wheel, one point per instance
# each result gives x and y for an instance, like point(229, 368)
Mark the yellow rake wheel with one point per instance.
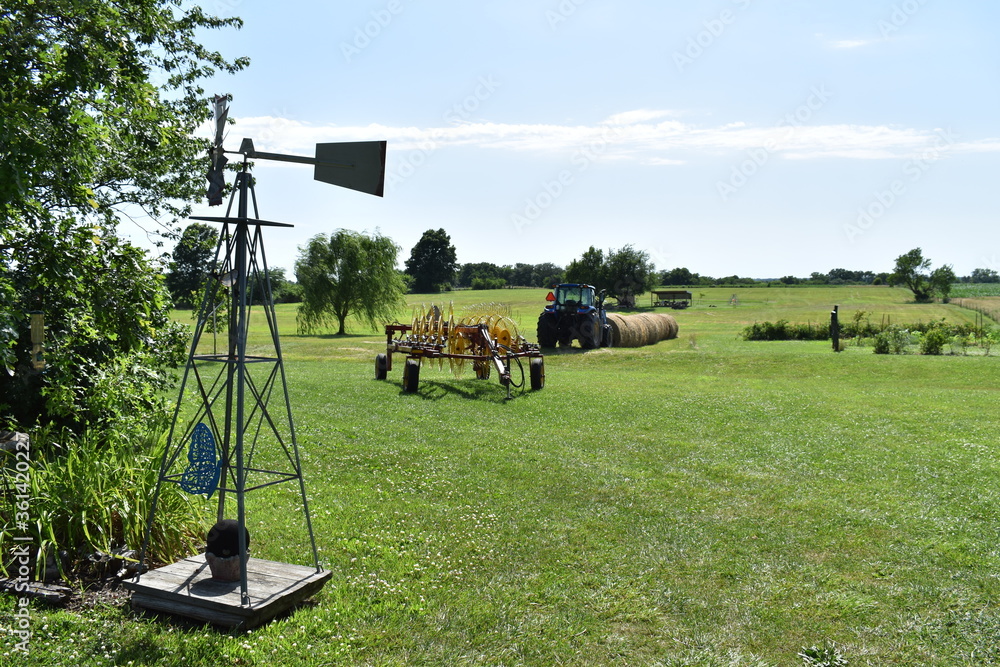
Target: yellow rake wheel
point(457, 344)
point(417, 324)
point(439, 338)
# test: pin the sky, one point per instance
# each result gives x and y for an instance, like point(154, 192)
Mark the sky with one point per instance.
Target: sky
point(749, 137)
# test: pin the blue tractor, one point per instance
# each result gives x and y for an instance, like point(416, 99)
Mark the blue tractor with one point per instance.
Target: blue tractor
point(574, 311)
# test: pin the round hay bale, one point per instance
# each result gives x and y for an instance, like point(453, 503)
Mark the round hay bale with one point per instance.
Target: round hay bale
point(662, 326)
point(615, 320)
point(642, 325)
point(624, 330)
point(669, 326)
point(629, 335)
point(641, 329)
point(658, 328)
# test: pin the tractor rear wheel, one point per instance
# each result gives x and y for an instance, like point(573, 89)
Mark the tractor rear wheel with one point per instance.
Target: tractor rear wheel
point(548, 331)
point(411, 375)
point(381, 366)
point(536, 371)
point(590, 331)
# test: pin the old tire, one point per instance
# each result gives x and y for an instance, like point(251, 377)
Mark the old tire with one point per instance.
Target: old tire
point(411, 375)
point(536, 373)
point(381, 366)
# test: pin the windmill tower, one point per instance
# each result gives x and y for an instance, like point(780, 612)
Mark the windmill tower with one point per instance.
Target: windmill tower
point(232, 432)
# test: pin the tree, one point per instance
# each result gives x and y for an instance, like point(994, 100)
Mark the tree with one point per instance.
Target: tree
point(624, 273)
point(522, 275)
point(677, 276)
point(193, 260)
point(547, 274)
point(941, 280)
point(984, 276)
point(87, 133)
point(629, 273)
point(433, 262)
point(348, 272)
point(85, 130)
point(110, 343)
point(486, 272)
point(912, 270)
point(588, 270)
point(283, 290)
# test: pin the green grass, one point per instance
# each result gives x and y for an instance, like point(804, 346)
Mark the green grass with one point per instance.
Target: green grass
point(703, 501)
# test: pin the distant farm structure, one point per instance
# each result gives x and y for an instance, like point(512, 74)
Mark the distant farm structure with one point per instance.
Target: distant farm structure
point(672, 298)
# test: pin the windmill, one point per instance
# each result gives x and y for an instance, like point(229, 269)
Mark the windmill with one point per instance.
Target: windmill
point(233, 417)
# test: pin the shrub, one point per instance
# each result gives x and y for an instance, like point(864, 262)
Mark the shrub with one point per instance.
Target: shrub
point(782, 330)
point(933, 340)
point(892, 340)
point(989, 337)
point(480, 282)
point(960, 343)
point(882, 343)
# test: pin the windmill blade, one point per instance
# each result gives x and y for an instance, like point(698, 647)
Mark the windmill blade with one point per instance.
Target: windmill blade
point(220, 105)
point(217, 172)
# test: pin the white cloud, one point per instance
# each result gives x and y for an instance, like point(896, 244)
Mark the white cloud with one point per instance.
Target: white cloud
point(850, 43)
point(634, 135)
point(663, 161)
point(637, 116)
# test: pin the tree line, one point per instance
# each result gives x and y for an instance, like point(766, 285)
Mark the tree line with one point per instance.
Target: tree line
point(349, 272)
point(682, 277)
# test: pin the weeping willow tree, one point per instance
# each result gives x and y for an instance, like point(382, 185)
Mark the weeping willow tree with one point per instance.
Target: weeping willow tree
point(348, 273)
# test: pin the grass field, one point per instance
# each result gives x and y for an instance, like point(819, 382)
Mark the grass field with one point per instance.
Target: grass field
point(703, 501)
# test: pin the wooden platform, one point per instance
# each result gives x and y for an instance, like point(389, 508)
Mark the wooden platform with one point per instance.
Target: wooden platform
point(186, 588)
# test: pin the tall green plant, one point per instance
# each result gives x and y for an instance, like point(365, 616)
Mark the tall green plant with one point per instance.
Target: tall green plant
point(92, 494)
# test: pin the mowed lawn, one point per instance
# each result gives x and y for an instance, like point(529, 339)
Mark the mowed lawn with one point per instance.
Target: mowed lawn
point(703, 501)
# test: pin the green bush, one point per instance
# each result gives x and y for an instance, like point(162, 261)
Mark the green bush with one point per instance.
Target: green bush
point(782, 330)
point(480, 282)
point(892, 340)
point(934, 340)
point(882, 343)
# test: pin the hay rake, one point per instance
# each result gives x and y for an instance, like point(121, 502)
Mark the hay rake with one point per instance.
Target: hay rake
point(485, 336)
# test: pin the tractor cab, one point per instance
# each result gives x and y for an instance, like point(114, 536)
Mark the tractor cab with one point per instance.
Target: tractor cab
point(570, 298)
